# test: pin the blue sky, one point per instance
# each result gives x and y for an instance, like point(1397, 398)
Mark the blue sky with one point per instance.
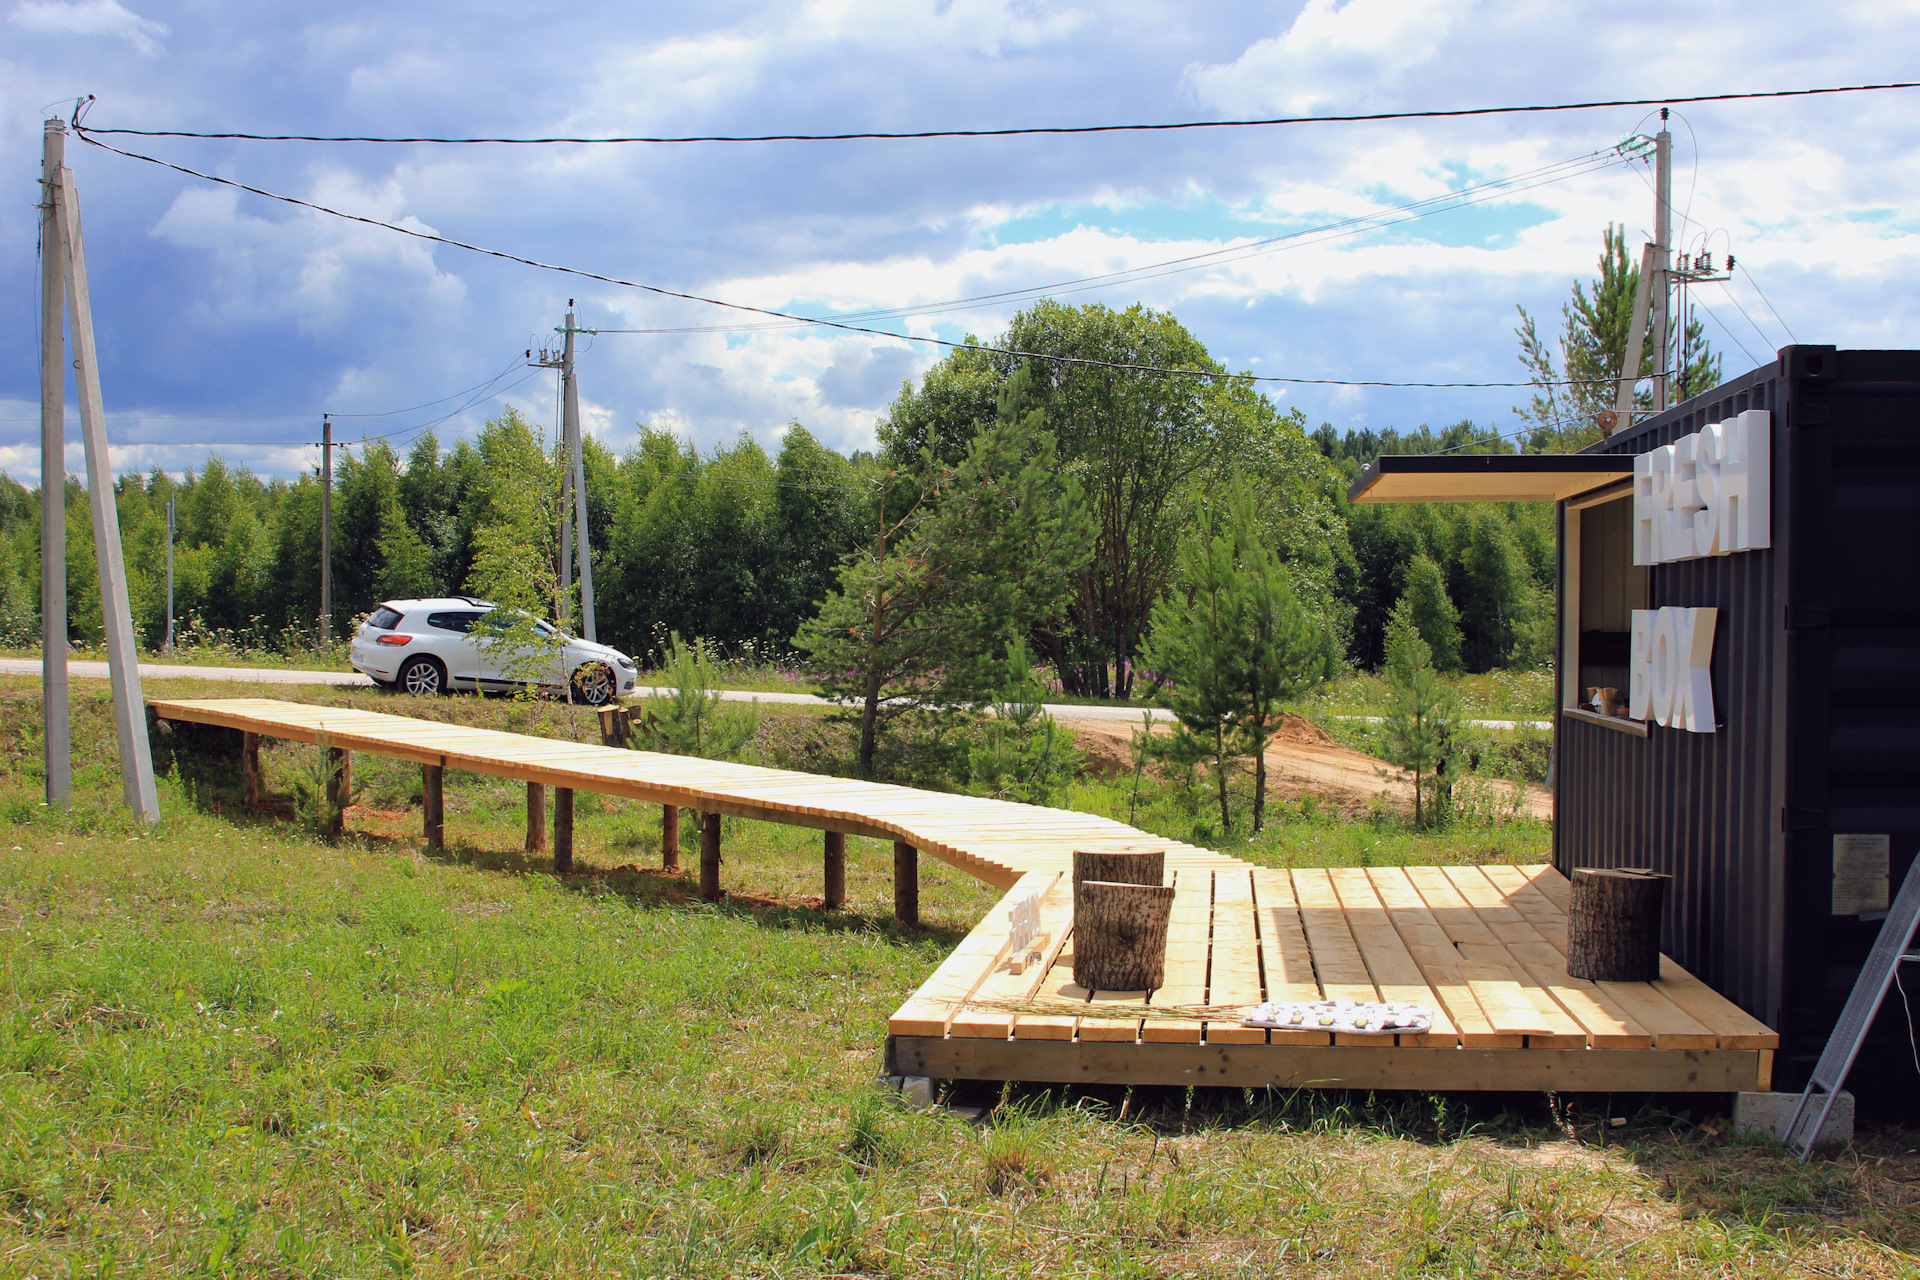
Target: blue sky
point(230, 319)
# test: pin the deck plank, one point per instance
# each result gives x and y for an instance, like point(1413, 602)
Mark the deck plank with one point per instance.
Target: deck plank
point(1393, 969)
point(1439, 962)
point(1185, 979)
point(1233, 961)
point(1512, 1000)
point(1286, 959)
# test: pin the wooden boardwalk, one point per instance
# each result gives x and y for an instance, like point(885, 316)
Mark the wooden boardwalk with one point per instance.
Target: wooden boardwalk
point(1483, 947)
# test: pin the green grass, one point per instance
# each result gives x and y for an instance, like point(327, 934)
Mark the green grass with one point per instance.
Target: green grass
point(1497, 695)
point(228, 1048)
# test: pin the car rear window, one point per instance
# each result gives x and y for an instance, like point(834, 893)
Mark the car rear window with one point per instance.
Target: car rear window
point(461, 622)
point(384, 618)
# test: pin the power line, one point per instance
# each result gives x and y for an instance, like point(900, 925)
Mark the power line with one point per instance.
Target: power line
point(783, 315)
point(1023, 131)
point(1763, 297)
point(1465, 197)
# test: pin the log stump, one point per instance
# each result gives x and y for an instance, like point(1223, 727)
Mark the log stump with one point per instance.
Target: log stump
point(1135, 864)
point(1613, 924)
point(1120, 936)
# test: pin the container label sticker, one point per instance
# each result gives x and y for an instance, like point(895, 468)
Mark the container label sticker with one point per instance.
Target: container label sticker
point(1707, 494)
point(1860, 873)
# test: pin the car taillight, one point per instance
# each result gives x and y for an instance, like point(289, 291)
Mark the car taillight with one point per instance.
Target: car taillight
point(390, 638)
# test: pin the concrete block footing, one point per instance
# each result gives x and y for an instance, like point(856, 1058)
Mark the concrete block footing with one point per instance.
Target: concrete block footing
point(915, 1091)
point(1767, 1114)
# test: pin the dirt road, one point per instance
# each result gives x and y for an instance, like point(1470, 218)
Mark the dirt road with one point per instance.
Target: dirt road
point(1301, 761)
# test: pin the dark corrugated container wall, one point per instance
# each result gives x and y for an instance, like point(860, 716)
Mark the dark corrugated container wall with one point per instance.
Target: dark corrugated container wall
point(1816, 686)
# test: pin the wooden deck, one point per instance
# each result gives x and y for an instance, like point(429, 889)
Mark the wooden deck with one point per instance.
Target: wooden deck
point(1483, 947)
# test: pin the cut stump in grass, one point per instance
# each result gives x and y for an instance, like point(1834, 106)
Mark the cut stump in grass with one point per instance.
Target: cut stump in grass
point(1613, 924)
point(1120, 936)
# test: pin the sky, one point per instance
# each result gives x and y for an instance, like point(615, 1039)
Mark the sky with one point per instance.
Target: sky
point(228, 323)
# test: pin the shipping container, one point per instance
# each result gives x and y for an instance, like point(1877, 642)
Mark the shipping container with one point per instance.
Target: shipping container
point(1787, 808)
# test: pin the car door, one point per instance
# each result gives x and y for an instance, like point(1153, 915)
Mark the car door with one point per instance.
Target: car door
point(454, 644)
point(543, 663)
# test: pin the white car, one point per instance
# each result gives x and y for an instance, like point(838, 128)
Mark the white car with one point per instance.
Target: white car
point(425, 647)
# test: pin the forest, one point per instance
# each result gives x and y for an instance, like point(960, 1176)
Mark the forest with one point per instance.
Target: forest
point(742, 545)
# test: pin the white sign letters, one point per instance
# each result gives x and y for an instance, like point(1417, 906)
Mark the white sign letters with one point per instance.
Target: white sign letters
point(1706, 494)
point(1671, 681)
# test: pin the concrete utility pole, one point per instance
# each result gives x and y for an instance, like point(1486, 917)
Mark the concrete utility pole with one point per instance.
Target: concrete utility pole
point(169, 644)
point(123, 659)
point(1636, 342)
point(1663, 256)
point(53, 479)
point(573, 478)
point(326, 530)
point(576, 462)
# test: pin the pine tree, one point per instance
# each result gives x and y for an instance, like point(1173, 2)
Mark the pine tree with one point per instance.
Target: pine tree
point(1422, 713)
point(963, 560)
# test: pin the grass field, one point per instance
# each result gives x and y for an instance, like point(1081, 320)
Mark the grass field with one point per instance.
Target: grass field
point(229, 1048)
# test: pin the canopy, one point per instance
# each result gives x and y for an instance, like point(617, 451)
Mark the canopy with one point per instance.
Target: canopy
point(1498, 477)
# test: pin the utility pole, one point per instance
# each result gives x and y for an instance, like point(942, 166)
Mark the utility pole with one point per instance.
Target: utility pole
point(123, 659)
point(1636, 341)
point(1663, 258)
point(576, 460)
point(573, 477)
point(169, 644)
point(53, 480)
point(326, 530)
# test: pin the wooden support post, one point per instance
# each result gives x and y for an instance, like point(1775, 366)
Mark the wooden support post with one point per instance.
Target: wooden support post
point(669, 837)
point(1120, 936)
point(835, 867)
point(906, 884)
point(339, 790)
point(709, 857)
point(1613, 925)
point(433, 804)
point(536, 817)
point(250, 769)
point(562, 830)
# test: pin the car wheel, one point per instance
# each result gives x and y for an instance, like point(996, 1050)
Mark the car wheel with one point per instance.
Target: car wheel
point(422, 677)
point(593, 684)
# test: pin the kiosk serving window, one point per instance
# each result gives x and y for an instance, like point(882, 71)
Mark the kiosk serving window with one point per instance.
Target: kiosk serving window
point(1604, 587)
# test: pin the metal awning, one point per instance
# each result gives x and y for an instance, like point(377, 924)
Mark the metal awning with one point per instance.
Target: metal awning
point(1499, 477)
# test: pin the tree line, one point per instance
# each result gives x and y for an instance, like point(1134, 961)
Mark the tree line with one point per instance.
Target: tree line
point(740, 544)
point(743, 546)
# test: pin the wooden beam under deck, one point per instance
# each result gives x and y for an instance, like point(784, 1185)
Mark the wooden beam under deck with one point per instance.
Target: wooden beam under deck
point(1237, 1066)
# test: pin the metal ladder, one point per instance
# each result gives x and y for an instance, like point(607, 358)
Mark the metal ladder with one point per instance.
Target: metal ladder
point(1892, 948)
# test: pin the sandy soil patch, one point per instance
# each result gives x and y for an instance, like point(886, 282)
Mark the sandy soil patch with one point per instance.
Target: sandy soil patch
point(1302, 760)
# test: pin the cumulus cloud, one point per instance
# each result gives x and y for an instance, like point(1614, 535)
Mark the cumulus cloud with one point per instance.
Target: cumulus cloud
point(90, 18)
point(193, 282)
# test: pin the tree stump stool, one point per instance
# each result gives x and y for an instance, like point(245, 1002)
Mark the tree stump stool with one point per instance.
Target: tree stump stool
point(1120, 936)
point(1613, 924)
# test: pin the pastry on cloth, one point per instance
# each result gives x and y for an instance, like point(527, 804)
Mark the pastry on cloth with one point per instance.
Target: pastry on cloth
point(1347, 1017)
